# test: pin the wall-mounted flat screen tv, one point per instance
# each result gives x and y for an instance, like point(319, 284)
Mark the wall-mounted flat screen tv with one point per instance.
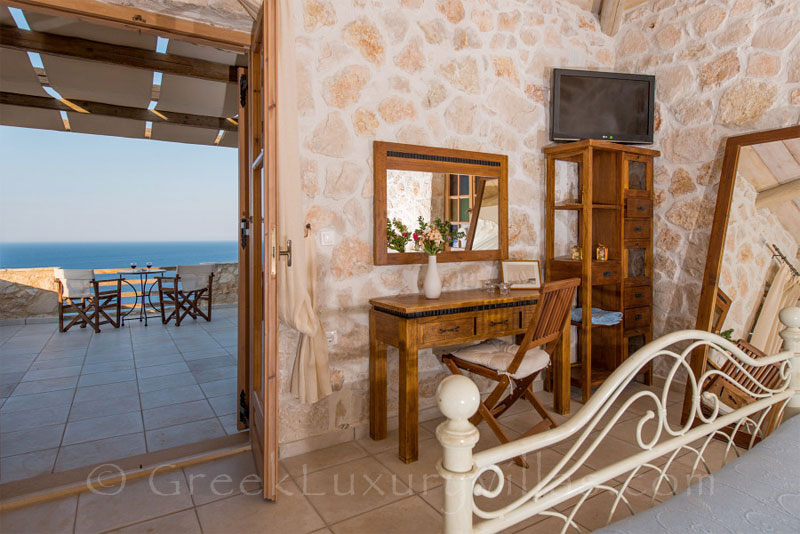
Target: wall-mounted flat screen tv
point(602, 105)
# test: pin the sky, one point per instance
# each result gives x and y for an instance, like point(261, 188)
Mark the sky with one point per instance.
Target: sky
point(73, 187)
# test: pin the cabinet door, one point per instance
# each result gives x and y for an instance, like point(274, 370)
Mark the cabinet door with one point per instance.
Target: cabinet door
point(637, 263)
point(637, 174)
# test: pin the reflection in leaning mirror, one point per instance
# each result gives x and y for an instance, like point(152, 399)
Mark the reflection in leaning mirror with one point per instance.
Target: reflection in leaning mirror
point(470, 203)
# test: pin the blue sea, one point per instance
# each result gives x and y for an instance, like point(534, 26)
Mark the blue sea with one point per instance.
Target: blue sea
point(114, 255)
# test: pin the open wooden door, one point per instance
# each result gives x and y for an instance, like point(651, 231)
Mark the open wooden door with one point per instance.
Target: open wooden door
point(258, 385)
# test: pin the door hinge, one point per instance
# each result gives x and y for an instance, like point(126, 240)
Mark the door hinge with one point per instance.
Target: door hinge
point(243, 90)
point(244, 409)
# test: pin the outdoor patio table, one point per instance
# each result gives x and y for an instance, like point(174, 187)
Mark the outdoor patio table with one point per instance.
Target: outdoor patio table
point(142, 293)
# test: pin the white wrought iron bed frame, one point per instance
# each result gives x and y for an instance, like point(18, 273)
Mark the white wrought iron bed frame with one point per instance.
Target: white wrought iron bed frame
point(458, 399)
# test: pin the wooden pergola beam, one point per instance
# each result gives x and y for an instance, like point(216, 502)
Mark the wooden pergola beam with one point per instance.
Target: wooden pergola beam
point(785, 192)
point(119, 16)
point(611, 13)
point(122, 112)
point(84, 49)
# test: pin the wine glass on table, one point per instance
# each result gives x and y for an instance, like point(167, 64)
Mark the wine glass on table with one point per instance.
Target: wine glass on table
point(133, 265)
point(149, 264)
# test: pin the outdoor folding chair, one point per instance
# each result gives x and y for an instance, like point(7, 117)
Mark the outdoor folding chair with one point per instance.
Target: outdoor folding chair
point(83, 300)
point(185, 292)
point(507, 363)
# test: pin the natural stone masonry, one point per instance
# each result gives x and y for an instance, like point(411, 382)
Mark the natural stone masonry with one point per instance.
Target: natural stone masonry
point(734, 69)
point(465, 74)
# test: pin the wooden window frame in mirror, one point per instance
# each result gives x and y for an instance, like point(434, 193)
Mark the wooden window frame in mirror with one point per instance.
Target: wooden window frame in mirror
point(716, 244)
point(398, 156)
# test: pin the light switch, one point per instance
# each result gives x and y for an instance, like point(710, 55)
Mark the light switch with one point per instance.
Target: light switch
point(326, 238)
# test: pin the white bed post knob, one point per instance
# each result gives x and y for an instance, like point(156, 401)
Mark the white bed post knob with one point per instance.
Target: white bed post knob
point(458, 399)
point(791, 342)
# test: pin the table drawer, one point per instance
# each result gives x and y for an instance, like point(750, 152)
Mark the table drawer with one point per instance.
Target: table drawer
point(638, 207)
point(496, 323)
point(637, 229)
point(637, 296)
point(444, 330)
point(635, 317)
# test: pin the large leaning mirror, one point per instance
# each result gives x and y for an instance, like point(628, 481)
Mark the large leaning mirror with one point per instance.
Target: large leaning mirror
point(751, 268)
point(469, 190)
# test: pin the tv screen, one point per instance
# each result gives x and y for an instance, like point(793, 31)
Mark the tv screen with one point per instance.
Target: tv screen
point(602, 105)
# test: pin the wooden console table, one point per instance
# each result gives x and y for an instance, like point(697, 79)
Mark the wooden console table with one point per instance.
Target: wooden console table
point(412, 322)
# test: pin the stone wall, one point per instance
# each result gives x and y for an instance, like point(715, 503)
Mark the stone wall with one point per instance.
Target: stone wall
point(724, 67)
point(471, 75)
point(29, 293)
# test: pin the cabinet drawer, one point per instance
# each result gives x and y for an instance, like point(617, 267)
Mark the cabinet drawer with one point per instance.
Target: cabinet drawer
point(638, 207)
point(442, 330)
point(498, 322)
point(637, 229)
point(605, 272)
point(635, 297)
point(636, 317)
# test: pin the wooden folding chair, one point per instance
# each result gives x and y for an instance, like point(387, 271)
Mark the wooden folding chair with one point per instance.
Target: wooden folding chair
point(86, 301)
point(733, 389)
point(506, 363)
point(185, 292)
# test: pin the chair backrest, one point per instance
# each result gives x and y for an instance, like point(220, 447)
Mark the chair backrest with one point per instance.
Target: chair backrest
point(553, 310)
point(768, 376)
point(75, 283)
point(194, 277)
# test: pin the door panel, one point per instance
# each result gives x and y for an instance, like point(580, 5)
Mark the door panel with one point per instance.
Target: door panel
point(263, 253)
point(243, 337)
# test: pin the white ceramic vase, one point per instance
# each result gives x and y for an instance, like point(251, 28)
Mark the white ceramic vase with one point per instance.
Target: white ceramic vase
point(433, 284)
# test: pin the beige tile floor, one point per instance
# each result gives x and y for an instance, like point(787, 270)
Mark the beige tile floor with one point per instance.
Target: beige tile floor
point(79, 398)
point(356, 487)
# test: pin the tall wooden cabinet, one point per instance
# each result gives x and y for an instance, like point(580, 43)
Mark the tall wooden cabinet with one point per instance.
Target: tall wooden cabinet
point(601, 193)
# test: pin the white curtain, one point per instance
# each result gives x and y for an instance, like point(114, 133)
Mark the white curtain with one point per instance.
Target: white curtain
point(784, 292)
point(310, 375)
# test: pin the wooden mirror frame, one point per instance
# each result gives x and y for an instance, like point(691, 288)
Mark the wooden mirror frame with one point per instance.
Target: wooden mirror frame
point(716, 244)
point(441, 160)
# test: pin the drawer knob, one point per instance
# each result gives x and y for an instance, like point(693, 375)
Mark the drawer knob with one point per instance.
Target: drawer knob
point(639, 208)
point(606, 274)
point(497, 323)
point(639, 295)
point(446, 330)
point(637, 229)
point(638, 316)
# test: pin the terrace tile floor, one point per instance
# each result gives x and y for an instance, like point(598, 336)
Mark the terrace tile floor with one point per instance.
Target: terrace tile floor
point(78, 398)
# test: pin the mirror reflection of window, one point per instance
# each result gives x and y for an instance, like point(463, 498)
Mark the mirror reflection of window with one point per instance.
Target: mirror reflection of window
point(462, 199)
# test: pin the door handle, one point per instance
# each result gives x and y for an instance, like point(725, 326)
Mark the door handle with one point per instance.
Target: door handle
point(273, 243)
point(244, 231)
point(287, 252)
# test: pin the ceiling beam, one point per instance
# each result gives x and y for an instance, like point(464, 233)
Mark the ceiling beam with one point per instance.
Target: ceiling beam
point(119, 16)
point(122, 112)
point(611, 13)
point(785, 192)
point(73, 47)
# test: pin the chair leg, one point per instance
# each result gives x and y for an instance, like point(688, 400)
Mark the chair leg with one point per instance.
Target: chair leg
point(539, 407)
point(499, 432)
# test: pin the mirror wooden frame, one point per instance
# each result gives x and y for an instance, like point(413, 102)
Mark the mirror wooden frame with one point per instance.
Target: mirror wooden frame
point(431, 159)
point(716, 244)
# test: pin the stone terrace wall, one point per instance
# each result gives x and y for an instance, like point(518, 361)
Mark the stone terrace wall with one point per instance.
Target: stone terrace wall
point(29, 293)
point(464, 74)
point(724, 67)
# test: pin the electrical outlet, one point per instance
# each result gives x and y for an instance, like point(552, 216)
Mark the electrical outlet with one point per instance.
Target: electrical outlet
point(326, 238)
point(332, 337)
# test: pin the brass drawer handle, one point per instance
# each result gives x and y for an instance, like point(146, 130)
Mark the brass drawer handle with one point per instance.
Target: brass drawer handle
point(637, 228)
point(446, 330)
point(638, 316)
point(497, 323)
point(639, 295)
point(606, 274)
point(639, 208)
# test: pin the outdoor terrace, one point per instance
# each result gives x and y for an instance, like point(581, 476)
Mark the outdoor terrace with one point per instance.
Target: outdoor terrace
point(79, 398)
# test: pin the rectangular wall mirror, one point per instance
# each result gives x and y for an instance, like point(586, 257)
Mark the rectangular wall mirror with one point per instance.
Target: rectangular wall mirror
point(467, 189)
